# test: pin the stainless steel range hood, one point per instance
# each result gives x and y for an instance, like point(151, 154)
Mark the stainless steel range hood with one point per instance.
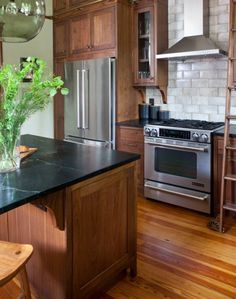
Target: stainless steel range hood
point(196, 43)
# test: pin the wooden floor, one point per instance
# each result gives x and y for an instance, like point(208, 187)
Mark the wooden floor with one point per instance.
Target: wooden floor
point(179, 257)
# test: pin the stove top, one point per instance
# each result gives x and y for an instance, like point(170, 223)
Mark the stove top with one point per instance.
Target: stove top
point(189, 124)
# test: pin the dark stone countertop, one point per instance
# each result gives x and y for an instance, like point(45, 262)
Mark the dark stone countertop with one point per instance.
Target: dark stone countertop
point(221, 131)
point(54, 166)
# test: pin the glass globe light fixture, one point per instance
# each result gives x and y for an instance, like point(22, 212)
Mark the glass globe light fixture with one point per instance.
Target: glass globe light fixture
point(21, 20)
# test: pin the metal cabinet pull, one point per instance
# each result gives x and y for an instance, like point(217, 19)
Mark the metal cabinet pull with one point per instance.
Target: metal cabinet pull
point(196, 149)
point(177, 193)
point(78, 98)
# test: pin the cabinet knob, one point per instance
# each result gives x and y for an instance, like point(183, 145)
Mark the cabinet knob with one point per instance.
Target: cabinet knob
point(88, 46)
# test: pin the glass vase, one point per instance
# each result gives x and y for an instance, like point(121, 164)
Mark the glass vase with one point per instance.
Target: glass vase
point(10, 154)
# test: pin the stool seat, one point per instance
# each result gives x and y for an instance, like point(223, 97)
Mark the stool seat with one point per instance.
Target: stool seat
point(13, 258)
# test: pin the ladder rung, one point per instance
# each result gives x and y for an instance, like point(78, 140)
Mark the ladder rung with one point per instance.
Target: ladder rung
point(231, 116)
point(231, 148)
point(230, 207)
point(230, 177)
point(233, 29)
point(231, 87)
point(232, 58)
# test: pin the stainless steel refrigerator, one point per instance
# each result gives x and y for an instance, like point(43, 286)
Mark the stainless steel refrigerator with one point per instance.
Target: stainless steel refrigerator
point(90, 104)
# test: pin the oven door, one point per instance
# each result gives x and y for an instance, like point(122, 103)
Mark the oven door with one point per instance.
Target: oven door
point(179, 163)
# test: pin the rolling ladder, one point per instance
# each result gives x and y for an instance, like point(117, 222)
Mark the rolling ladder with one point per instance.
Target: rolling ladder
point(219, 225)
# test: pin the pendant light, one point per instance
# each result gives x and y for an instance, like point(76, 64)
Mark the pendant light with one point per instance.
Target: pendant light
point(21, 20)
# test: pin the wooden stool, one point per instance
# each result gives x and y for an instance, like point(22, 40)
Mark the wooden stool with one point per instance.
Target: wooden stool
point(13, 258)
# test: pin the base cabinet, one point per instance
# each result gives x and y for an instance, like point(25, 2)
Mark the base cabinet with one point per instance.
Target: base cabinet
point(84, 236)
point(231, 169)
point(131, 140)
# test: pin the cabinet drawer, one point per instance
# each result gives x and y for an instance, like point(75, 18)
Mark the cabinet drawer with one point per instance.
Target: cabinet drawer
point(131, 135)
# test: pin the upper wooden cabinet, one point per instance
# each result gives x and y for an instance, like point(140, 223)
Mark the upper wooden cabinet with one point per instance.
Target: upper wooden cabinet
point(97, 30)
point(91, 32)
point(150, 36)
point(60, 38)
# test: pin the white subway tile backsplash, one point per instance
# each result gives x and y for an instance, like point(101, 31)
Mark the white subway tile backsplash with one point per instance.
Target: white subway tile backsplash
point(184, 66)
point(197, 87)
point(175, 91)
point(208, 109)
point(199, 83)
point(191, 74)
point(216, 117)
point(217, 101)
point(201, 116)
point(183, 83)
point(200, 100)
point(186, 100)
point(208, 74)
point(211, 92)
point(190, 91)
point(191, 108)
point(176, 107)
point(217, 83)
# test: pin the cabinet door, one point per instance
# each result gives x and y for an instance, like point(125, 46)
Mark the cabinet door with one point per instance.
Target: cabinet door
point(131, 140)
point(60, 39)
point(144, 46)
point(80, 34)
point(103, 24)
point(103, 217)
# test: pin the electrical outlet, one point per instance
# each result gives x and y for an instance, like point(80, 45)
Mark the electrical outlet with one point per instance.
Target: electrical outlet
point(151, 101)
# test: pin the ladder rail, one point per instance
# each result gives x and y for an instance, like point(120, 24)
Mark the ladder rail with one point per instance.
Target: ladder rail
point(226, 147)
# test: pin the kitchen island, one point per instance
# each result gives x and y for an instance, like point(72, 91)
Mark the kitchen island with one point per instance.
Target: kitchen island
point(76, 205)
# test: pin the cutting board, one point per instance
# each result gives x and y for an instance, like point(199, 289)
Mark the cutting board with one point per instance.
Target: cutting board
point(26, 151)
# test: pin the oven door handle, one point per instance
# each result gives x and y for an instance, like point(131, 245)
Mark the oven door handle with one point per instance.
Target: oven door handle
point(196, 149)
point(176, 193)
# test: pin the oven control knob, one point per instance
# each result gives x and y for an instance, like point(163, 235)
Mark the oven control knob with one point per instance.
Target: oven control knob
point(195, 136)
point(153, 133)
point(204, 138)
point(147, 132)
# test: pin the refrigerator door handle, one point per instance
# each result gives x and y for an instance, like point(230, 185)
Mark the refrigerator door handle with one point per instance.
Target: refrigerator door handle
point(84, 99)
point(78, 98)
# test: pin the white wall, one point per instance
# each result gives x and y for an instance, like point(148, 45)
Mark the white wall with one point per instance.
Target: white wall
point(41, 123)
point(197, 88)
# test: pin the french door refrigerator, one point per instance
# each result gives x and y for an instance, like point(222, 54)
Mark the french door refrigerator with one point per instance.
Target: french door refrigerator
point(90, 104)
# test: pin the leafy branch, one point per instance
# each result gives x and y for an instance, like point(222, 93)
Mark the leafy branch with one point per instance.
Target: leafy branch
point(18, 102)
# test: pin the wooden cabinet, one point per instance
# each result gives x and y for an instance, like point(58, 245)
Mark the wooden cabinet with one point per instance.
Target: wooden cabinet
point(131, 140)
point(217, 170)
point(150, 37)
point(93, 32)
point(59, 6)
point(80, 34)
point(60, 39)
point(84, 236)
point(97, 30)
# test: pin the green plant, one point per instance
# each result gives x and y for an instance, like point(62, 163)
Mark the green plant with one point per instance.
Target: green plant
point(18, 102)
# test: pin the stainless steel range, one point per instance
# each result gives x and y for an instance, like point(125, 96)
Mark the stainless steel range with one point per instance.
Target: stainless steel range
point(178, 162)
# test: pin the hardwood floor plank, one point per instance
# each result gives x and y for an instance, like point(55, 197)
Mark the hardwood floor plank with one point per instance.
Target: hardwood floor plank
point(188, 239)
point(179, 257)
point(217, 263)
point(171, 280)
